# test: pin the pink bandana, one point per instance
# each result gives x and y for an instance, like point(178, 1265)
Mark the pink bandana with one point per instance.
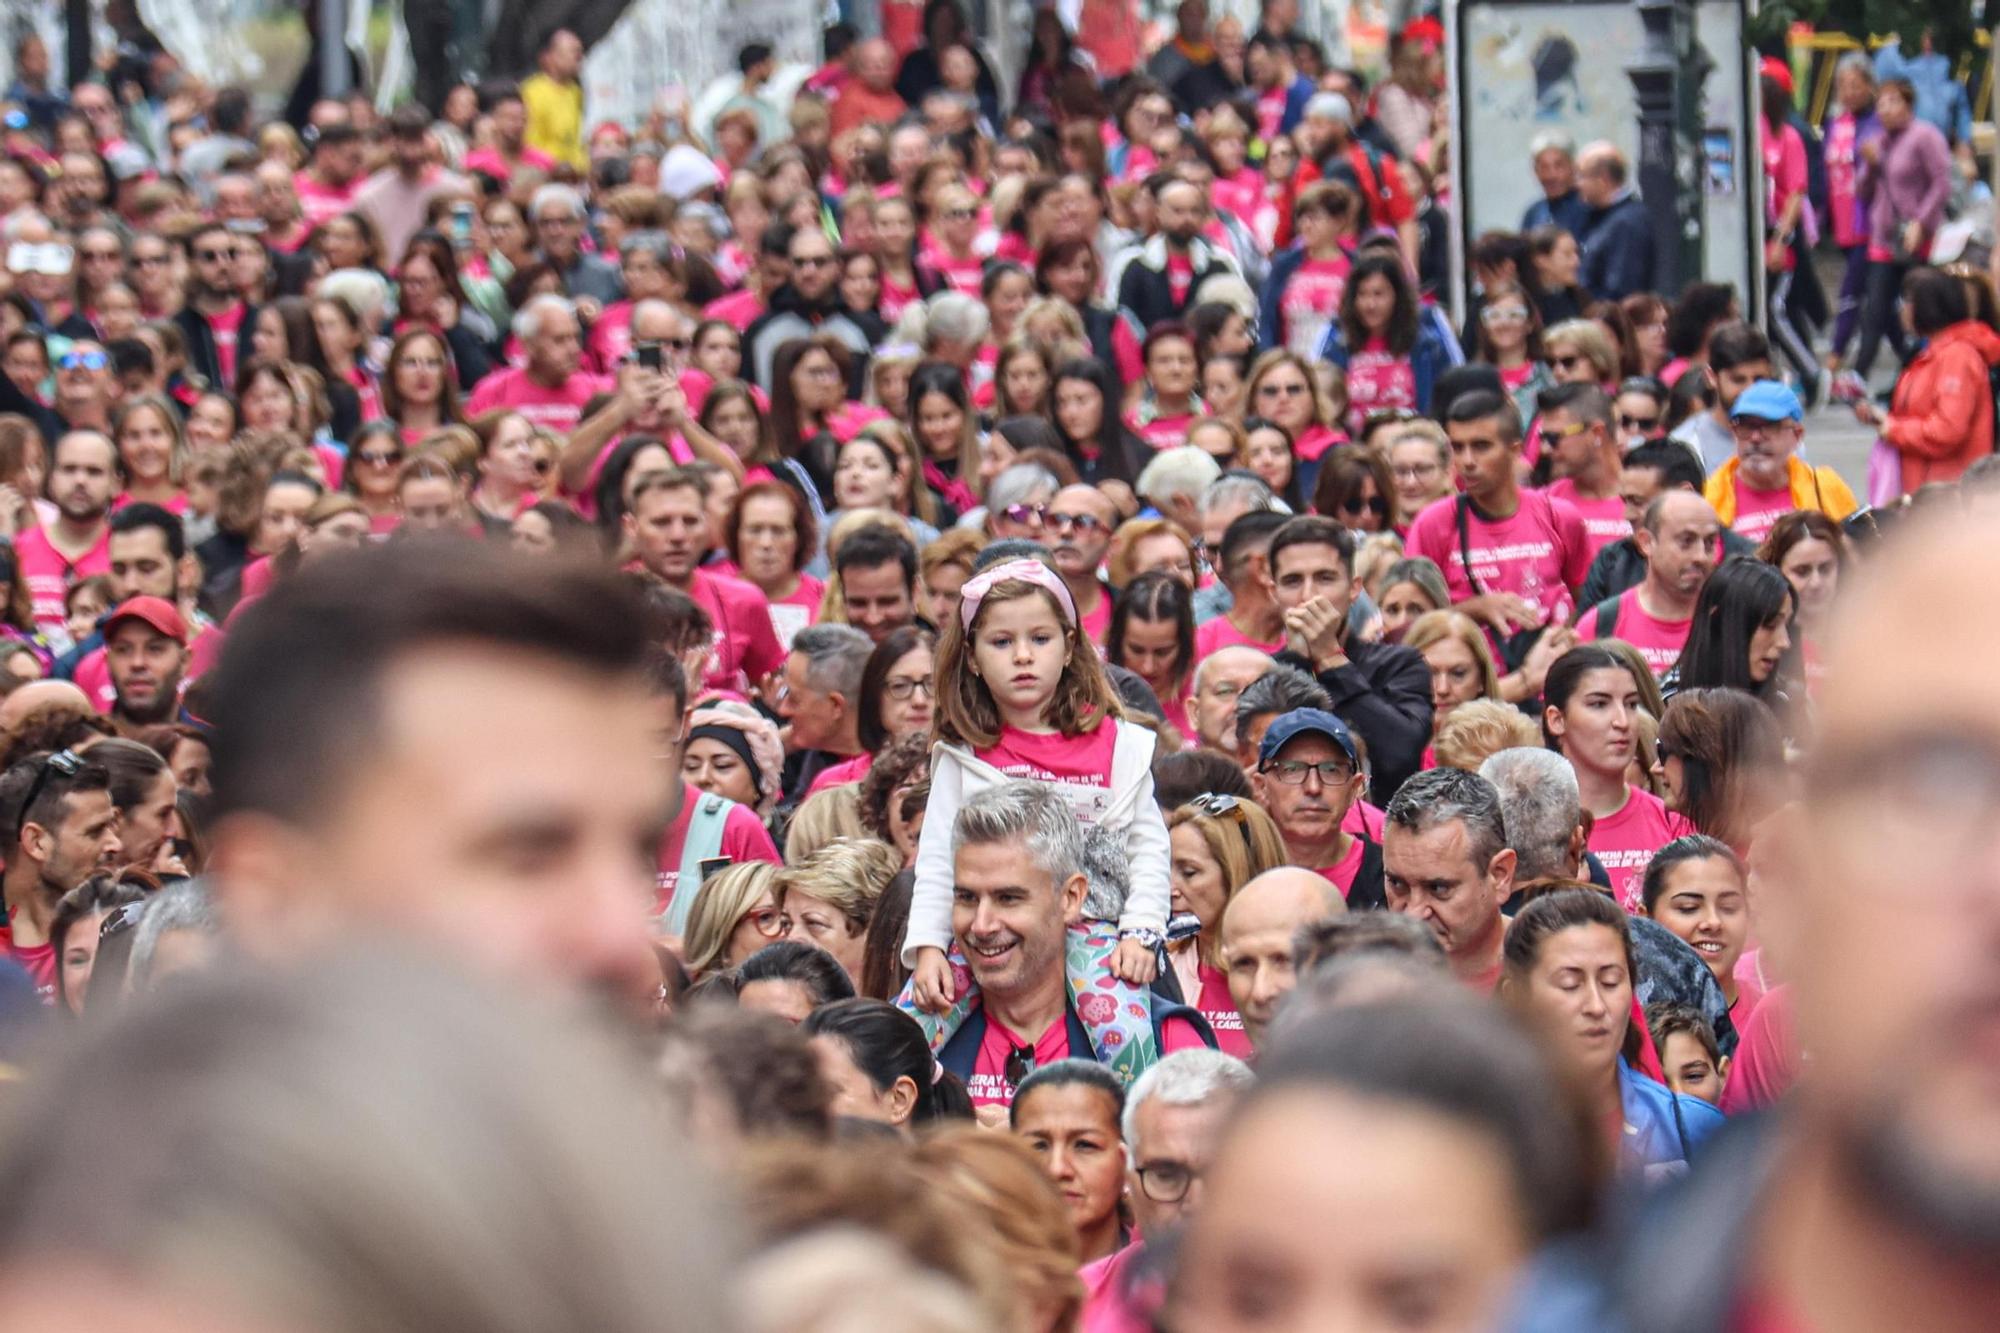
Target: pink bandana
point(1027, 571)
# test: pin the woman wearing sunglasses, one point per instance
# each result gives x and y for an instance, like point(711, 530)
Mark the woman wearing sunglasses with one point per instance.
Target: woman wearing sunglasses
point(373, 464)
point(1218, 844)
point(1284, 390)
point(1355, 489)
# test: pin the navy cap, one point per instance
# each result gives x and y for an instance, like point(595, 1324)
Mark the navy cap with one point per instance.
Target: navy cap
point(1306, 722)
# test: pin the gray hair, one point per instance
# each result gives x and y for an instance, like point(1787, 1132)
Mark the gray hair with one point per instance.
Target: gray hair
point(1859, 62)
point(1029, 812)
point(956, 316)
point(1437, 797)
point(528, 319)
point(652, 305)
point(363, 290)
point(1422, 571)
point(1227, 289)
point(836, 656)
point(562, 196)
point(1016, 484)
point(1185, 1078)
point(1238, 488)
point(1548, 139)
point(1279, 690)
point(187, 905)
point(1109, 870)
point(654, 243)
point(1540, 807)
point(1185, 471)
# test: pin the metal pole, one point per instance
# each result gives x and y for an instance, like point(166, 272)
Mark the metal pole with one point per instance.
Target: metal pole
point(333, 67)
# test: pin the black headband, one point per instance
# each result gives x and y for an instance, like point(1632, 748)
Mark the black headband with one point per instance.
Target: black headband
point(734, 738)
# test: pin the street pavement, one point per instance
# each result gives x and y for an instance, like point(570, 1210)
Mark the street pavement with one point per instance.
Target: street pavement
point(1834, 438)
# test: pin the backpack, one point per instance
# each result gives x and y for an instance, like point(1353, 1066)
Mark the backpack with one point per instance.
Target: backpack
point(1374, 191)
point(1607, 616)
point(704, 843)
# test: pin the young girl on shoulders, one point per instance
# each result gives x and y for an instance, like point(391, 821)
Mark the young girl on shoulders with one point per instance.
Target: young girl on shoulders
point(1022, 694)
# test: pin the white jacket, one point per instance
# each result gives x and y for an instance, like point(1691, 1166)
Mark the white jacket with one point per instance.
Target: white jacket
point(957, 774)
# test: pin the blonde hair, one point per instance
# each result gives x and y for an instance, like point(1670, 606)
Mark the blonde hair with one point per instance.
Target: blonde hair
point(1588, 337)
point(848, 874)
point(1118, 564)
point(1436, 626)
point(720, 904)
point(827, 816)
point(1279, 356)
point(1242, 852)
point(1474, 731)
point(966, 713)
point(999, 1184)
point(960, 546)
point(1376, 555)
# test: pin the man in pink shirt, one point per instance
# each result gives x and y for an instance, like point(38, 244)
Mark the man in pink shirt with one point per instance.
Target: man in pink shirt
point(83, 475)
point(398, 196)
point(1445, 861)
point(1173, 1121)
point(1579, 438)
point(1254, 618)
point(1678, 538)
point(326, 187)
point(1511, 559)
point(1080, 521)
point(668, 526)
point(547, 390)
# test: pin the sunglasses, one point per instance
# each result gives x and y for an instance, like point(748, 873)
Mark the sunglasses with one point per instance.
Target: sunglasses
point(377, 457)
point(1626, 422)
point(1388, 416)
point(1565, 362)
point(1662, 753)
point(959, 215)
point(1276, 390)
point(1374, 504)
point(1086, 523)
point(1552, 438)
point(1020, 1064)
point(812, 261)
point(66, 762)
point(1219, 804)
point(84, 361)
point(1025, 514)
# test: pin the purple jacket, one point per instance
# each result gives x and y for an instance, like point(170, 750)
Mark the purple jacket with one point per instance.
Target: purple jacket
point(1911, 179)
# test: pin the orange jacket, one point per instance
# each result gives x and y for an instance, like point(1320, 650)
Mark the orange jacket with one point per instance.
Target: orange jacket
point(1941, 413)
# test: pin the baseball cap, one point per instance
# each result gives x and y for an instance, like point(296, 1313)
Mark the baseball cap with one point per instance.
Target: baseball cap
point(1778, 72)
point(1306, 722)
point(1329, 106)
point(1767, 400)
point(157, 612)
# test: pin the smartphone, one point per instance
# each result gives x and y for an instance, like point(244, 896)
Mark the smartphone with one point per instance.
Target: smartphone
point(714, 865)
point(651, 355)
point(461, 225)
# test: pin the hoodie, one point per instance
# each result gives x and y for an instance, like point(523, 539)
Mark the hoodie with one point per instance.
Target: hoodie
point(1941, 411)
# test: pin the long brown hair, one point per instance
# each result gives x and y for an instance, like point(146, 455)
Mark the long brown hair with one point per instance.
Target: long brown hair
point(966, 713)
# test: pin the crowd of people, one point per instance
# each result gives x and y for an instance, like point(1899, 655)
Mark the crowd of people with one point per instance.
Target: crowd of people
point(928, 709)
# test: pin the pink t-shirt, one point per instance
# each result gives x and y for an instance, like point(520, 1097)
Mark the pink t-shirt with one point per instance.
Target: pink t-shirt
point(1378, 378)
point(1757, 512)
point(960, 274)
point(1784, 174)
point(321, 202)
point(1079, 765)
point(988, 1085)
point(1215, 1005)
point(1163, 432)
point(744, 838)
point(1097, 620)
point(895, 298)
point(848, 770)
point(1603, 520)
point(558, 409)
point(1843, 165)
point(1767, 1056)
point(1626, 840)
point(1342, 872)
point(745, 648)
point(1310, 301)
point(1315, 441)
point(739, 310)
point(1111, 1304)
point(49, 574)
point(1539, 553)
point(1213, 635)
point(1239, 194)
point(1364, 821)
point(489, 161)
point(1658, 641)
point(1180, 268)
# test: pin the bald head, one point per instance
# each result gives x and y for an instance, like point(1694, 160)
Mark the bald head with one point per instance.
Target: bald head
point(875, 64)
point(1258, 927)
point(40, 696)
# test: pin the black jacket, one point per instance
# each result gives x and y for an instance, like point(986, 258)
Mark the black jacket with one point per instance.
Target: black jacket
point(1384, 694)
point(202, 358)
point(1144, 290)
point(791, 316)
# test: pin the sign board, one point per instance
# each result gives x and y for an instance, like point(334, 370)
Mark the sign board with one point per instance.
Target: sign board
point(663, 45)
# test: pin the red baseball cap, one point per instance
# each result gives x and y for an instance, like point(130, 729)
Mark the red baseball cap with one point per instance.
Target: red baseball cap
point(1778, 72)
point(157, 612)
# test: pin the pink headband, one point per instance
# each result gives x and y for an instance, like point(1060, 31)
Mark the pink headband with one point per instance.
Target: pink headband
point(1027, 571)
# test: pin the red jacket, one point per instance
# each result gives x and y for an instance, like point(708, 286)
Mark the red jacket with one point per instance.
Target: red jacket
point(1941, 413)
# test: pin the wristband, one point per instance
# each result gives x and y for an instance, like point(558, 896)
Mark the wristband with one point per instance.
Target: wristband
point(1147, 936)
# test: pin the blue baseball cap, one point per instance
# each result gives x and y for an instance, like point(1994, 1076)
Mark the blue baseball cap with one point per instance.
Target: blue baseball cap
point(1306, 722)
point(1767, 400)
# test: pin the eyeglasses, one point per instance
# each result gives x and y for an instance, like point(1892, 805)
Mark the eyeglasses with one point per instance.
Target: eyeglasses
point(1020, 1064)
point(769, 922)
point(1374, 504)
point(86, 360)
point(1167, 1182)
point(1281, 390)
point(377, 457)
point(677, 344)
point(959, 215)
point(1415, 471)
point(1504, 314)
point(1025, 513)
point(812, 261)
point(214, 256)
point(1219, 804)
point(1628, 422)
point(1293, 772)
point(1085, 523)
point(1553, 438)
point(902, 687)
point(66, 762)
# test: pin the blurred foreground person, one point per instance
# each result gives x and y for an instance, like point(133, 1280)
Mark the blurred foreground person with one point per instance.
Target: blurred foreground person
point(366, 1143)
point(454, 742)
point(1871, 1198)
point(1466, 1158)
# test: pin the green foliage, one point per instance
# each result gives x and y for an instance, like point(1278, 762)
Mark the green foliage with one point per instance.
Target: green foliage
point(1950, 25)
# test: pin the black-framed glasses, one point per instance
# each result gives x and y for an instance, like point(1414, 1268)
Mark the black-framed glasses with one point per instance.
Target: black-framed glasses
point(1628, 422)
point(1292, 772)
point(812, 261)
point(1661, 752)
point(902, 687)
point(66, 762)
point(1167, 1182)
point(1020, 1064)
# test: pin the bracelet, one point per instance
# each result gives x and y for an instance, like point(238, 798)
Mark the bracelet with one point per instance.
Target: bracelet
point(1147, 936)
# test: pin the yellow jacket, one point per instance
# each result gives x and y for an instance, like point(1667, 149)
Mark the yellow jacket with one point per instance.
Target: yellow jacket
point(1812, 488)
point(555, 119)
